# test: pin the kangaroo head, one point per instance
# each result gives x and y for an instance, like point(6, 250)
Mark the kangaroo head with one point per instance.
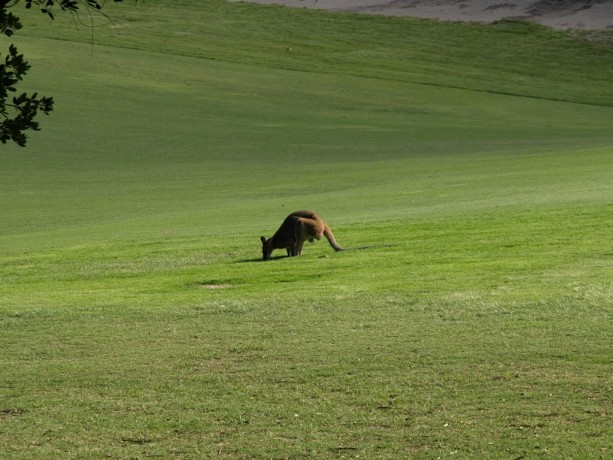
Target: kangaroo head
point(266, 248)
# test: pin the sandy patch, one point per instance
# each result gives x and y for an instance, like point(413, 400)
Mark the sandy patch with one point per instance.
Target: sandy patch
point(559, 14)
point(215, 286)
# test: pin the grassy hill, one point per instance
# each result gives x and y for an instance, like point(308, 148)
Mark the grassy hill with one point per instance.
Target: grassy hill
point(512, 57)
point(473, 162)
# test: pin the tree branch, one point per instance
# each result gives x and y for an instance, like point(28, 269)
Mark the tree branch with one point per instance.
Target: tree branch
point(25, 108)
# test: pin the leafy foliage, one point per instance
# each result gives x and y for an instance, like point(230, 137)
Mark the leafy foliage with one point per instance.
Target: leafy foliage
point(25, 106)
point(18, 113)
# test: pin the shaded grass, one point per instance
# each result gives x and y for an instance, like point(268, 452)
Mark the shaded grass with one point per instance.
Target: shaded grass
point(511, 57)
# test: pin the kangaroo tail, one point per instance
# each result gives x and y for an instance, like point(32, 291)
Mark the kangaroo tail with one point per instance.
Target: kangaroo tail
point(330, 237)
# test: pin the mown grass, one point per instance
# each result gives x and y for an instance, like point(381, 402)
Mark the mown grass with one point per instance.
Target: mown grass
point(471, 339)
point(469, 319)
point(513, 57)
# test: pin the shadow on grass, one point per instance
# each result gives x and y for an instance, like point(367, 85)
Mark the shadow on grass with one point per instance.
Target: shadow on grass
point(376, 246)
point(359, 248)
point(259, 259)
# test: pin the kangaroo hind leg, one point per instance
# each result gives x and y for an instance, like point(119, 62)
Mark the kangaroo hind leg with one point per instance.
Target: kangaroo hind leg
point(300, 236)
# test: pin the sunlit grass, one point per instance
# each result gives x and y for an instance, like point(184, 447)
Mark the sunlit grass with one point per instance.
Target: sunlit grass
point(469, 318)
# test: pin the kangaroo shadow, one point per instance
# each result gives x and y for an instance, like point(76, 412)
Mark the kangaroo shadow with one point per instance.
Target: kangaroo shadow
point(358, 248)
point(259, 259)
point(374, 246)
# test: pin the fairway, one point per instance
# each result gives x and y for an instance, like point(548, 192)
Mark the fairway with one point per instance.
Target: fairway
point(466, 168)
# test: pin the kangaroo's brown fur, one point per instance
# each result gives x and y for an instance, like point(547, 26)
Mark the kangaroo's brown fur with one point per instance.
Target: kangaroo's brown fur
point(295, 229)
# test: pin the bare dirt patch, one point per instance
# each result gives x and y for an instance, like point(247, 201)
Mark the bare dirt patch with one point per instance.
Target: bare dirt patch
point(214, 286)
point(559, 14)
point(11, 412)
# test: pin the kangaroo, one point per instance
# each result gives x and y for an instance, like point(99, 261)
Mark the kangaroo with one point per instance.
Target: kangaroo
point(295, 229)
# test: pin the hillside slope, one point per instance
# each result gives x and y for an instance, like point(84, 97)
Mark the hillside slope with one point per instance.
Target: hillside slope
point(508, 57)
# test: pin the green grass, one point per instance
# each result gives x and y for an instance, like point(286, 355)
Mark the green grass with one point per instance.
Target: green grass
point(509, 57)
point(136, 319)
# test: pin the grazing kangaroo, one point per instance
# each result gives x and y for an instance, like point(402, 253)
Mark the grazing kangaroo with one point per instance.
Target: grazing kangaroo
point(295, 229)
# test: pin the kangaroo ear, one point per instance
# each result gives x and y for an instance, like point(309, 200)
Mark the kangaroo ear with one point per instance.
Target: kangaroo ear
point(263, 239)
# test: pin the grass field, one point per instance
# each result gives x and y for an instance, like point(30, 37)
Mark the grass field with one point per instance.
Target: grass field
point(467, 168)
